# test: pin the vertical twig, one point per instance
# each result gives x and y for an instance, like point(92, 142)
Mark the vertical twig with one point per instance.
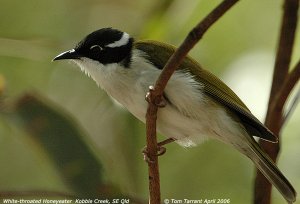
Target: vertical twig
point(155, 95)
point(153, 168)
point(287, 86)
point(262, 193)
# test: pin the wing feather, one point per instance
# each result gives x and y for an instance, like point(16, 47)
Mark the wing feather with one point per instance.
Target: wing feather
point(158, 54)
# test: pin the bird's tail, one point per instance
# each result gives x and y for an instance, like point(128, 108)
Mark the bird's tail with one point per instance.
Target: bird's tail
point(270, 171)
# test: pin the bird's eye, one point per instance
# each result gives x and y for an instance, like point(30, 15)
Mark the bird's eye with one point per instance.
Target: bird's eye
point(96, 47)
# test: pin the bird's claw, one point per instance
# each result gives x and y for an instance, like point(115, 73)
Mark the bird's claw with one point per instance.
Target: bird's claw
point(158, 101)
point(160, 151)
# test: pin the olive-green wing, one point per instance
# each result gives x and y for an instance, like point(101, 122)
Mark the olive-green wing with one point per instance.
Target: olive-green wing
point(159, 53)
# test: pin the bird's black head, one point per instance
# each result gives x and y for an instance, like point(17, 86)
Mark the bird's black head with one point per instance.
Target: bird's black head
point(106, 46)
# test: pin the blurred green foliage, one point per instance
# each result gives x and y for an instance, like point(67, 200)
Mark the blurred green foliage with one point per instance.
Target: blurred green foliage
point(62, 140)
point(32, 32)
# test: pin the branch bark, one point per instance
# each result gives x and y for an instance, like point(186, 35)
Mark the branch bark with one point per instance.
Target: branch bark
point(279, 93)
point(155, 94)
point(287, 87)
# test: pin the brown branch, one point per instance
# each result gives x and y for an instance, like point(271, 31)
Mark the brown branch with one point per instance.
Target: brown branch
point(287, 87)
point(190, 41)
point(291, 109)
point(262, 192)
point(155, 95)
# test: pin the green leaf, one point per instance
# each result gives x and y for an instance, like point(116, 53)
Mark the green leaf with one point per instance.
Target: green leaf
point(62, 139)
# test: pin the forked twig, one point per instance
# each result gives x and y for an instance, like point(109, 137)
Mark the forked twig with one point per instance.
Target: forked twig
point(155, 95)
point(282, 85)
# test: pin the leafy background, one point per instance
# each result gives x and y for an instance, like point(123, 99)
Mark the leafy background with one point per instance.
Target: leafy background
point(67, 128)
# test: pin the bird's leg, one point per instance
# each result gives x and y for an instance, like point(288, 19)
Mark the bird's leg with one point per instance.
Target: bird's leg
point(160, 149)
point(160, 146)
point(167, 141)
point(159, 102)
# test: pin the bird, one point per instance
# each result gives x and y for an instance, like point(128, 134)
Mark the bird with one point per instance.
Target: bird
point(198, 105)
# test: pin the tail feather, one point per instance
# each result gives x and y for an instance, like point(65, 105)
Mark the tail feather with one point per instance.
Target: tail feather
point(271, 172)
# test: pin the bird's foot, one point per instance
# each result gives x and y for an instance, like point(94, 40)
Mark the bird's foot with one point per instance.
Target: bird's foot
point(156, 100)
point(160, 149)
point(147, 157)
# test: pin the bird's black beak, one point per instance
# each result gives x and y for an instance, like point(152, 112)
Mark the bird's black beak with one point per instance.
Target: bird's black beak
point(70, 54)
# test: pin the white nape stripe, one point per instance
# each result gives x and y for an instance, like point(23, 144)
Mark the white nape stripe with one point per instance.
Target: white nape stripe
point(121, 42)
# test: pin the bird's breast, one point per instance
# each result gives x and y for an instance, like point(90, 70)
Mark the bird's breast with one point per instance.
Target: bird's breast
point(190, 115)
